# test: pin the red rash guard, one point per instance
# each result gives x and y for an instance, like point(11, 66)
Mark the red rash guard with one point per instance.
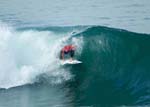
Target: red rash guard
point(68, 48)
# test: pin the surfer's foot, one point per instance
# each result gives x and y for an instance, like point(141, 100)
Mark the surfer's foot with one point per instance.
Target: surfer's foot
point(71, 59)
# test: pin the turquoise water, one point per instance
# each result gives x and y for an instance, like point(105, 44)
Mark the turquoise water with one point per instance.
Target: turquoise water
point(116, 62)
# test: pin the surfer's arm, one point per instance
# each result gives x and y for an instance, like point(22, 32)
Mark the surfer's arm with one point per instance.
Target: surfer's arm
point(62, 55)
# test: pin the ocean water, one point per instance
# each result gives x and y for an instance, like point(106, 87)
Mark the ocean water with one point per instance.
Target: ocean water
point(112, 40)
point(132, 15)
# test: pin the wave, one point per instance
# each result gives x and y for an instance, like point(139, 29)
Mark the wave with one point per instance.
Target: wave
point(114, 72)
point(115, 68)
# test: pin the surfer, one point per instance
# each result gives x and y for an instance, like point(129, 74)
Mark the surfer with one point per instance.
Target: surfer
point(68, 49)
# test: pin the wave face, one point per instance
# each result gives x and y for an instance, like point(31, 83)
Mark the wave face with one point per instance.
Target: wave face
point(114, 72)
point(115, 69)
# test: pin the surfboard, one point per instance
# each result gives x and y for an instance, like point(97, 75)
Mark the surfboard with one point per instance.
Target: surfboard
point(68, 61)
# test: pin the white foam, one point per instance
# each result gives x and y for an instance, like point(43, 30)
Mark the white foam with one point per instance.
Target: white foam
point(25, 55)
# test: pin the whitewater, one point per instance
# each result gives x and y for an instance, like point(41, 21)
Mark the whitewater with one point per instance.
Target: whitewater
point(27, 54)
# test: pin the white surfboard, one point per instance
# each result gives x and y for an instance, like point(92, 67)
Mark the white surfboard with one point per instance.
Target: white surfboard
point(68, 61)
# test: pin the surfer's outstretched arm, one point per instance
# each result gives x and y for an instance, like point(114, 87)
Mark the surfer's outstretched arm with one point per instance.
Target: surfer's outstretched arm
point(62, 55)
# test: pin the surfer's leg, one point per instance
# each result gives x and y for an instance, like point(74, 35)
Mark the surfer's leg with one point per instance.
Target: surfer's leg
point(72, 54)
point(63, 55)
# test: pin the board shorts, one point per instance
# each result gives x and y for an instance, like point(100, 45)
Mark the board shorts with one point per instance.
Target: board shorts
point(70, 52)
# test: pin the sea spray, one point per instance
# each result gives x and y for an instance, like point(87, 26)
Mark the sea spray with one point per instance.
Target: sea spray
point(25, 55)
